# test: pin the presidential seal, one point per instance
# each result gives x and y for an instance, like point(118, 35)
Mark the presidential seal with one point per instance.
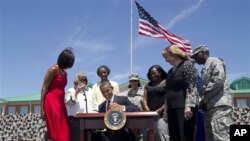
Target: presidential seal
point(115, 119)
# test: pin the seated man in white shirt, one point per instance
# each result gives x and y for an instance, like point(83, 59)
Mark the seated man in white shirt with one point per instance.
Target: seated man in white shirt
point(79, 99)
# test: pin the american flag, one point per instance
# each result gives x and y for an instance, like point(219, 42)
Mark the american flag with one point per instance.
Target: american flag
point(148, 26)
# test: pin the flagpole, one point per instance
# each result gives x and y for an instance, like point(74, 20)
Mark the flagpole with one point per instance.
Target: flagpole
point(131, 36)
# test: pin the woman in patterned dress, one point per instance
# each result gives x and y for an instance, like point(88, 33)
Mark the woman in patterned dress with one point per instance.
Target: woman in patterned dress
point(181, 94)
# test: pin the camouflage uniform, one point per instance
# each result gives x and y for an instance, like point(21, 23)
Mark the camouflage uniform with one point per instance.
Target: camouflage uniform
point(136, 98)
point(217, 99)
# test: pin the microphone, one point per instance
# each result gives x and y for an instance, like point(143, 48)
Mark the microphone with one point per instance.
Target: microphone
point(83, 89)
point(85, 99)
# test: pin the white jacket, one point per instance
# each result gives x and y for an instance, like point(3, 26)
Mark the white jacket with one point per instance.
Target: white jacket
point(77, 104)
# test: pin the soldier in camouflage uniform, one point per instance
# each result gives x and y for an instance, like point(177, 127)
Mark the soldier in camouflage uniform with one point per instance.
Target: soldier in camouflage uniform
point(216, 100)
point(135, 95)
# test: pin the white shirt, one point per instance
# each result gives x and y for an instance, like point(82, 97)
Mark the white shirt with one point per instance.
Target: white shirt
point(77, 104)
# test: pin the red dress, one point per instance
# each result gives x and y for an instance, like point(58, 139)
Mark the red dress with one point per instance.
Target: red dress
point(55, 110)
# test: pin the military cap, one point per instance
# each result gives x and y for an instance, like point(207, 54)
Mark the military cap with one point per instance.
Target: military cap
point(199, 49)
point(134, 76)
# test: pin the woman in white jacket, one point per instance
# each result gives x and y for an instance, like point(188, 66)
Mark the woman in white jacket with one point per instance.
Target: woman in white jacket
point(79, 99)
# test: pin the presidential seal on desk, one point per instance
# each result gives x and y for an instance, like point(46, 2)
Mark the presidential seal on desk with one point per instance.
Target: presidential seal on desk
point(115, 119)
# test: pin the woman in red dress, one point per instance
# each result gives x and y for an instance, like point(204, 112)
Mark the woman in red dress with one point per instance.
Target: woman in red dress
point(53, 109)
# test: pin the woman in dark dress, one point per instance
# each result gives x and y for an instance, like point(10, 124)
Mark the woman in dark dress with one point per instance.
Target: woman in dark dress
point(154, 98)
point(181, 95)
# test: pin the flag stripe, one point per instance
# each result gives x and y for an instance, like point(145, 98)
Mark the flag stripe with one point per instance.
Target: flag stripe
point(149, 29)
point(148, 26)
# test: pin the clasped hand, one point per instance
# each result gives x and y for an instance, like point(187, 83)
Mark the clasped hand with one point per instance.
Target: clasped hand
point(188, 113)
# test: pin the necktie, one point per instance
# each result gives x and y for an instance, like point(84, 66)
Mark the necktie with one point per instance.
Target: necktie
point(108, 105)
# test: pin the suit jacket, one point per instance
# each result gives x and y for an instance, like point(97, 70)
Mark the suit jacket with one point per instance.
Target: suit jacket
point(120, 135)
point(122, 100)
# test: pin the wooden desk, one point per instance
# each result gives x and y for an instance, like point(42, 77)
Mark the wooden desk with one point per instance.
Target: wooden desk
point(139, 120)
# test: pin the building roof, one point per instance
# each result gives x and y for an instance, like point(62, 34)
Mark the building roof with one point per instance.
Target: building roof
point(35, 97)
point(242, 83)
point(236, 88)
point(3, 100)
point(247, 92)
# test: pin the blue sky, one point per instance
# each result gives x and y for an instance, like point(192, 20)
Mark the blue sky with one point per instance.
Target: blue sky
point(33, 33)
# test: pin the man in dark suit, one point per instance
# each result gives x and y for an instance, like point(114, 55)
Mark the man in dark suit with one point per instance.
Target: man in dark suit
point(121, 103)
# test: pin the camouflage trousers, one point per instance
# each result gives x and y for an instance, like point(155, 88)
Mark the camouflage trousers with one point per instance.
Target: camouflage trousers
point(217, 122)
